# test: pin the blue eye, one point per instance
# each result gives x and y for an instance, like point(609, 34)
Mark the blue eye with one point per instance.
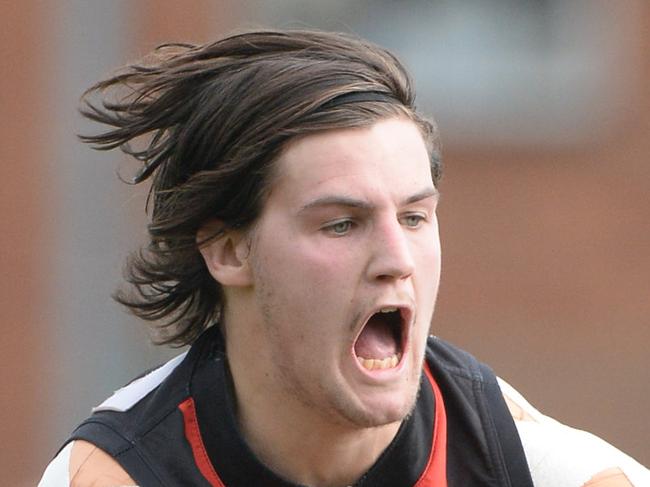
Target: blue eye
point(341, 228)
point(413, 221)
point(338, 228)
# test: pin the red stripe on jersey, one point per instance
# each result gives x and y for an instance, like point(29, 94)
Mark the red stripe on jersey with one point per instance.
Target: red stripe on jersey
point(435, 473)
point(193, 436)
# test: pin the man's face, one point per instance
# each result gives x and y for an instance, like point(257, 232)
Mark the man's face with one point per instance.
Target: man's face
point(345, 262)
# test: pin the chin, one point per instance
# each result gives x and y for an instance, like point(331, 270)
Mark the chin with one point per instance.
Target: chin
point(381, 406)
point(385, 410)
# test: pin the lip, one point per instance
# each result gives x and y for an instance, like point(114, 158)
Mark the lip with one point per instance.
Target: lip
point(407, 313)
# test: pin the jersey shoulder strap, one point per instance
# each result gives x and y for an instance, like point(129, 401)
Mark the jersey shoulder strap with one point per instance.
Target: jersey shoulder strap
point(140, 424)
point(505, 431)
point(472, 390)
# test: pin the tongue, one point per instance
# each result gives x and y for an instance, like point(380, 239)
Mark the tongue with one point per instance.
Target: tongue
point(376, 340)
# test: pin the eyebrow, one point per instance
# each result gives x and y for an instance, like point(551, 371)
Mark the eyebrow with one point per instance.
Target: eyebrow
point(364, 205)
point(422, 195)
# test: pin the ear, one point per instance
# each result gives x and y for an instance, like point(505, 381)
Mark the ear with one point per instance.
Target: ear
point(226, 257)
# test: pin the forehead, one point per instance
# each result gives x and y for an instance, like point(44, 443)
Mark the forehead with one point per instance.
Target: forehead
point(388, 159)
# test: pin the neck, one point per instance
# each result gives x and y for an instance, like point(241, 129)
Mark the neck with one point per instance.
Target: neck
point(304, 453)
point(296, 442)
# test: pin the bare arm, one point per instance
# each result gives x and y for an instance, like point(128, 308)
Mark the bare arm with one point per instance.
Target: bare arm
point(561, 456)
point(82, 464)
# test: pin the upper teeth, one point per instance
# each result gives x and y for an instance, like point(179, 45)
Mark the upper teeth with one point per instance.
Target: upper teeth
point(388, 310)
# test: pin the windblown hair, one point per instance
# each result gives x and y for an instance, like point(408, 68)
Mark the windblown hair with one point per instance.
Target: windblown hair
point(214, 118)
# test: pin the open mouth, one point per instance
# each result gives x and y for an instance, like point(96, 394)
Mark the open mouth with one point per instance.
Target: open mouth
point(381, 340)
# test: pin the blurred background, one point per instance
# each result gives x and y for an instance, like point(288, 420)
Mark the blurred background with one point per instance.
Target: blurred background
point(544, 109)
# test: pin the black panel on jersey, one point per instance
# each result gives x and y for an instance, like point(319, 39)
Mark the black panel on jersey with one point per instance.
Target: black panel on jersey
point(400, 464)
point(148, 440)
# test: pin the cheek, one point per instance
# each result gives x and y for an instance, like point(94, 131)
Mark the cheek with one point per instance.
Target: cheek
point(429, 252)
point(304, 283)
point(321, 266)
point(428, 266)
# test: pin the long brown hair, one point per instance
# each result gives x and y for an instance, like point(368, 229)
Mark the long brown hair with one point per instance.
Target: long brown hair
point(214, 118)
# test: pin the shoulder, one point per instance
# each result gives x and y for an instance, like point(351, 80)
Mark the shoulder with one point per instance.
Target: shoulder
point(561, 456)
point(82, 464)
point(558, 455)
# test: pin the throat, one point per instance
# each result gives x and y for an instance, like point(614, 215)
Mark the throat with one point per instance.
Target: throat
point(377, 346)
point(308, 461)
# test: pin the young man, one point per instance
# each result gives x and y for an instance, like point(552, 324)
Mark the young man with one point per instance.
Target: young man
point(294, 245)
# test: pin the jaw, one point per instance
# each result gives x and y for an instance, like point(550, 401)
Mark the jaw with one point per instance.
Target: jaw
point(385, 396)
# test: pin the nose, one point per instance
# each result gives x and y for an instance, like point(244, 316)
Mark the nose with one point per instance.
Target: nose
point(391, 256)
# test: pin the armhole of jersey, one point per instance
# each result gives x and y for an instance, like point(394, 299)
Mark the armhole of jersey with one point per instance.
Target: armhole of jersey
point(125, 452)
point(521, 402)
point(57, 473)
point(512, 450)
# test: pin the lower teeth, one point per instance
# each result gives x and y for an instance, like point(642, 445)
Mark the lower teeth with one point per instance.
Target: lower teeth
point(385, 363)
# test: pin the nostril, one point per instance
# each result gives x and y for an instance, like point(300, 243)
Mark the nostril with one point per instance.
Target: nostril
point(392, 276)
